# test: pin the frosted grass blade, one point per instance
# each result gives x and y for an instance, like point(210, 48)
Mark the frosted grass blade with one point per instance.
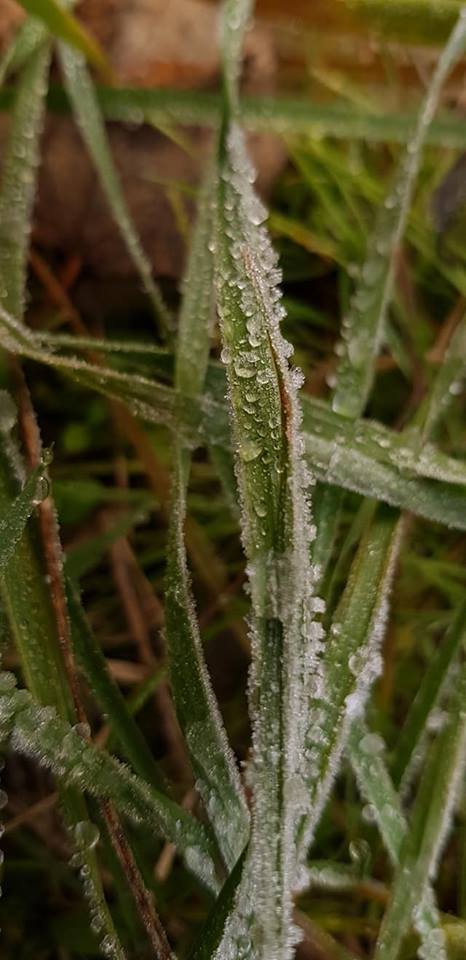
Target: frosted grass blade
point(427, 697)
point(64, 26)
point(363, 327)
point(376, 786)
point(429, 826)
point(86, 110)
point(13, 519)
point(214, 767)
point(281, 114)
point(41, 733)
point(26, 41)
point(363, 456)
point(216, 776)
point(17, 183)
point(276, 531)
point(352, 658)
point(448, 384)
point(25, 596)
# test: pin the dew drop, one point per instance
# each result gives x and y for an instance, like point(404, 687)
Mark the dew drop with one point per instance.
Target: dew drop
point(87, 834)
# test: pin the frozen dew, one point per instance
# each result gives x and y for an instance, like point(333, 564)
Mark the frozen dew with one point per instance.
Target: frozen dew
point(86, 834)
point(7, 412)
point(42, 490)
point(372, 744)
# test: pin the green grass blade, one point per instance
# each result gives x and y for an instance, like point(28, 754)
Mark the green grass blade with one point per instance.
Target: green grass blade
point(427, 696)
point(28, 38)
point(378, 790)
point(41, 733)
point(213, 763)
point(64, 26)
point(14, 518)
point(86, 110)
point(276, 532)
point(363, 327)
point(352, 654)
point(210, 936)
point(17, 183)
point(197, 710)
point(447, 384)
point(92, 661)
point(429, 826)
point(364, 457)
point(25, 595)
point(282, 115)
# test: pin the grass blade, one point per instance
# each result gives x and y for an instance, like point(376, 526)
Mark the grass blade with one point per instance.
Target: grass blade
point(364, 457)
point(14, 518)
point(65, 26)
point(86, 110)
point(378, 790)
point(352, 653)
point(17, 184)
point(113, 704)
point(272, 481)
point(216, 775)
point(363, 328)
point(28, 38)
point(282, 115)
point(427, 696)
point(430, 822)
point(39, 732)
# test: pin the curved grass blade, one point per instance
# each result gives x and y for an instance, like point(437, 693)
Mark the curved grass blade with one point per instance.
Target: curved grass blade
point(363, 328)
point(364, 457)
point(39, 732)
point(64, 26)
point(429, 826)
point(86, 110)
point(214, 767)
point(93, 663)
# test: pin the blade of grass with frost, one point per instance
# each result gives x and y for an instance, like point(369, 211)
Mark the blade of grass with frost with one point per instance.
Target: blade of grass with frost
point(26, 41)
point(213, 763)
point(376, 786)
point(108, 695)
point(17, 183)
point(430, 822)
point(432, 685)
point(364, 456)
point(64, 26)
point(448, 383)
point(363, 328)
point(283, 115)
point(25, 599)
point(276, 532)
point(352, 659)
point(41, 733)
point(13, 520)
point(86, 109)
point(24, 593)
